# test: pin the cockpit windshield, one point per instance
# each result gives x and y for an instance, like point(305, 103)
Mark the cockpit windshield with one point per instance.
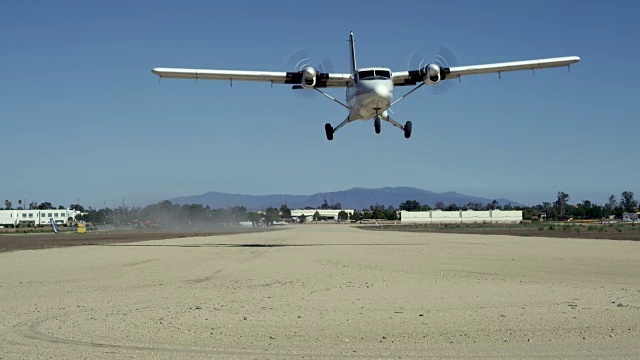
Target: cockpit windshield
point(374, 75)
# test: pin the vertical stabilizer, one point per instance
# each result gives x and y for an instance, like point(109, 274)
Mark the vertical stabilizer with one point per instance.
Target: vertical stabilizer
point(352, 46)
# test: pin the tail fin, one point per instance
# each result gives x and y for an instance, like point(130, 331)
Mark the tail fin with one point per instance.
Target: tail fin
point(353, 53)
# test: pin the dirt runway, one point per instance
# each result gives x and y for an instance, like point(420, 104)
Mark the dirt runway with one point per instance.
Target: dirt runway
point(324, 291)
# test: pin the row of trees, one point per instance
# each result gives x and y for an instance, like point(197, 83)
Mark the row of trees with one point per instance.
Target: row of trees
point(8, 205)
point(169, 214)
point(560, 209)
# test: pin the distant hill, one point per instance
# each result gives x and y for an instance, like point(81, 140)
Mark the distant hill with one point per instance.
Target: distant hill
point(356, 198)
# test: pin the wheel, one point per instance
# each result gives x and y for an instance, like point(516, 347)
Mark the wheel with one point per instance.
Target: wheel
point(329, 130)
point(376, 125)
point(407, 129)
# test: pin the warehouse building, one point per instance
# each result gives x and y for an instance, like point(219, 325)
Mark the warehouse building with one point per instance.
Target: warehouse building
point(461, 217)
point(327, 213)
point(17, 218)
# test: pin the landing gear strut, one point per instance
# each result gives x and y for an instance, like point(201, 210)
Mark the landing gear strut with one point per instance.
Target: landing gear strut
point(376, 125)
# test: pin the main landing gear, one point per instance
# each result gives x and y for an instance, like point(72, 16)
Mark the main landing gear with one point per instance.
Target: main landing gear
point(330, 130)
point(407, 129)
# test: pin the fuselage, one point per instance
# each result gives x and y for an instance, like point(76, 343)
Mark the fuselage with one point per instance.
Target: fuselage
point(370, 93)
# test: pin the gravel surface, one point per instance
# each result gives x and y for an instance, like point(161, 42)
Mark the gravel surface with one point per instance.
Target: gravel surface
point(324, 291)
point(47, 240)
point(629, 232)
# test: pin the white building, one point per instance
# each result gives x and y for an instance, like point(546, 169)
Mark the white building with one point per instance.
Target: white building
point(458, 217)
point(630, 217)
point(329, 214)
point(36, 217)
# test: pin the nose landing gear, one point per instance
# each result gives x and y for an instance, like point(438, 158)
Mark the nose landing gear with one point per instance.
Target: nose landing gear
point(376, 125)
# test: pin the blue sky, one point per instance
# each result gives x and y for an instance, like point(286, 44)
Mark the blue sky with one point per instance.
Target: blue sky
point(82, 116)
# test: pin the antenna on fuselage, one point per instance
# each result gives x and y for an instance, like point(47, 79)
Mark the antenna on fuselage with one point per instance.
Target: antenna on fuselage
point(352, 45)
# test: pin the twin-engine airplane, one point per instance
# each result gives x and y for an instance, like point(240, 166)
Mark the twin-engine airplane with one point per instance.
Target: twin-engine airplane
point(369, 90)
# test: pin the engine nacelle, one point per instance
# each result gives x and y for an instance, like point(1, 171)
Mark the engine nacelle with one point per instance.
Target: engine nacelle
point(431, 74)
point(308, 77)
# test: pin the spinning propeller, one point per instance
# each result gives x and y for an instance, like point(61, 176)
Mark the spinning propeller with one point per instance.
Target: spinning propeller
point(300, 61)
point(432, 71)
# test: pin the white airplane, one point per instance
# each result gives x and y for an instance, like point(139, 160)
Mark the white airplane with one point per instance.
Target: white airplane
point(369, 90)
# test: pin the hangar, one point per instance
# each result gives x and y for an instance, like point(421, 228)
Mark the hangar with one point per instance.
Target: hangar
point(36, 217)
point(458, 217)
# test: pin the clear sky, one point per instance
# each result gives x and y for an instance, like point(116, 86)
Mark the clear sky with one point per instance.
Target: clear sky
point(82, 116)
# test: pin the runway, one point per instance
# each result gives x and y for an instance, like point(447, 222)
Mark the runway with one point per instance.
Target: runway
point(324, 291)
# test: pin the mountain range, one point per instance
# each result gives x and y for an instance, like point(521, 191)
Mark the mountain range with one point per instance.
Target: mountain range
point(356, 198)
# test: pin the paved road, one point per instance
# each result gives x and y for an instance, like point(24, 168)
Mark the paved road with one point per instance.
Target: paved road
point(324, 291)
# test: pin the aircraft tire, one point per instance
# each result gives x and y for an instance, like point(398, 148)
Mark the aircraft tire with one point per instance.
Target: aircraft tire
point(329, 130)
point(407, 129)
point(376, 125)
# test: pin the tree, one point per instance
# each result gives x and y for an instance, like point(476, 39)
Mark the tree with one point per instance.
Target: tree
point(343, 215)
point(302, 218)
point(440, 205)
point(45, 206)
point(627, 202)
point(7, 204)
point(325, 205)
point(452, 207)
point(286, 212)
point(19, 204)
point(80, 208)
point(316, 215)
point(561, 203)
point(271, 215)
point(612, 202)
point(410, 205)
point(426, 207)
point(494, 205)
point(356, 216)
point(379, 214)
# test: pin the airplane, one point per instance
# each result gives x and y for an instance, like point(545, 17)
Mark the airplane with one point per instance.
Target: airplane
point(370, 91)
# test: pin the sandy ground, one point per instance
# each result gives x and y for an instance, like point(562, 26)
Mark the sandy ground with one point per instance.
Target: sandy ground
point(324, 291)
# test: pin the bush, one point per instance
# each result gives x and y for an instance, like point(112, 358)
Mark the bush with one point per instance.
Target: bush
point(552, 227)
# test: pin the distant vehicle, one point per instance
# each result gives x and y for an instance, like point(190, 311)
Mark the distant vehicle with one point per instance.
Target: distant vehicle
point(369, 90)
point(279, 223)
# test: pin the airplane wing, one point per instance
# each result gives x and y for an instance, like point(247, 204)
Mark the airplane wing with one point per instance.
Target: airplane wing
point(413, 77)
point(295, 78)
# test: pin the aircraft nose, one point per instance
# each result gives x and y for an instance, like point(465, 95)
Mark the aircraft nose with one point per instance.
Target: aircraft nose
point(381, 91)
